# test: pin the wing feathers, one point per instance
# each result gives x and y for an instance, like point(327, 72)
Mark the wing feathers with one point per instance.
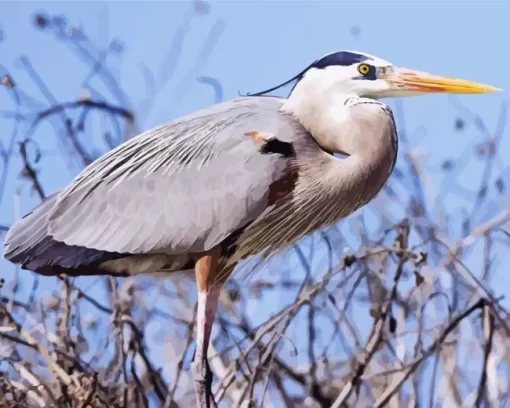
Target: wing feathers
point(182, 187)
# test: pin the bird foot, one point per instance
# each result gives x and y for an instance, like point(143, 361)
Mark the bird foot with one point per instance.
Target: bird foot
point(202, 375)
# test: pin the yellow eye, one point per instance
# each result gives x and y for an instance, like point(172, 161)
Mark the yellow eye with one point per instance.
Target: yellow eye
point(363, 69)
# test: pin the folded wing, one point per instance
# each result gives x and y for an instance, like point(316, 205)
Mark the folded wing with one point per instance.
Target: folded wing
point(182, 187)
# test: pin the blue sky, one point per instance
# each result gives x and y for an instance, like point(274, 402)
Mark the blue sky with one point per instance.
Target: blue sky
point(264, 43)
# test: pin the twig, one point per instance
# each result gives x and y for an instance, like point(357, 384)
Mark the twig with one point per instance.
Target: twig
point(90, 394)
point(488, 333)
point(103, 106)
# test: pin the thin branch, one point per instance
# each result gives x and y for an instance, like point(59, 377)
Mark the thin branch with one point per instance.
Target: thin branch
point(488, 334)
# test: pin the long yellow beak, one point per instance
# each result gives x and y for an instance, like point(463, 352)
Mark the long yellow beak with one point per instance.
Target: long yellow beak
point(424, 82)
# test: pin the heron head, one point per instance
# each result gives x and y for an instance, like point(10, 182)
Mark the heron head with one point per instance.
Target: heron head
point(372, 77)
point(356, 73)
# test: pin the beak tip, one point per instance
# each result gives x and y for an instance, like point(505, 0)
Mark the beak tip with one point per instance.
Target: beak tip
point(484, 89)
point(492, 89)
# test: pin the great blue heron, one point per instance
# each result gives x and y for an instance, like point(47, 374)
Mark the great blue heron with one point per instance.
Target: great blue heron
point(245, 177)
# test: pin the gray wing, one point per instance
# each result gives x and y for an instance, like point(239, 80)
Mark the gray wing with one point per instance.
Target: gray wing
point(182, 187)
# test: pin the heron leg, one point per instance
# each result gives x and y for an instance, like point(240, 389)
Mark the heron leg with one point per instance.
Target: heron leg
point(207, 270)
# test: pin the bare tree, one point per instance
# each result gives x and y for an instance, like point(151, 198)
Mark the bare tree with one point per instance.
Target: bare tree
point(399, 311)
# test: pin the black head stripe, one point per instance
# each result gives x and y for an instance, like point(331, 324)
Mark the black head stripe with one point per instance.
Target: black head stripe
point(343, 58)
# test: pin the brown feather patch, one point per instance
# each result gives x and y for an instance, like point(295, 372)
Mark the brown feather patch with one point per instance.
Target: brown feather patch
point(283, 186)
point(259, 138)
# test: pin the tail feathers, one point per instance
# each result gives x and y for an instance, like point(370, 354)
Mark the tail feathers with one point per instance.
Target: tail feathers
point(28, 244)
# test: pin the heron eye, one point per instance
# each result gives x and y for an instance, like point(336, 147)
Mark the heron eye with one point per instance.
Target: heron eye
point(363, 69)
